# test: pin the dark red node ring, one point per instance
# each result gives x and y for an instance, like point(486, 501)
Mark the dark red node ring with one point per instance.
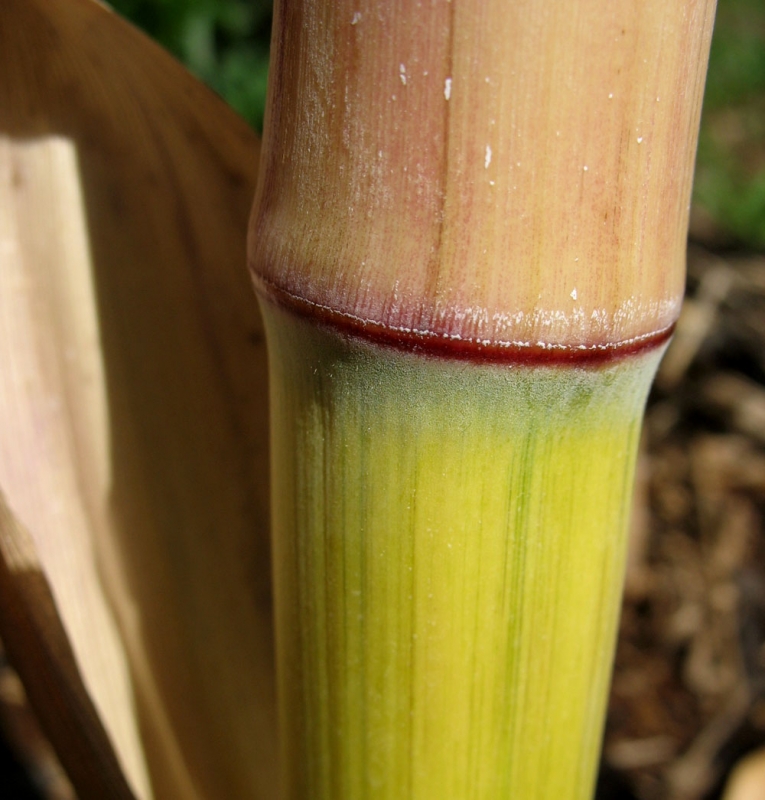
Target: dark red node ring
point(443, 346)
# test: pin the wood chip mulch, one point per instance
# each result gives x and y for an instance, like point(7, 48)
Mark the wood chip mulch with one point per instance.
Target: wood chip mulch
point(688, 696)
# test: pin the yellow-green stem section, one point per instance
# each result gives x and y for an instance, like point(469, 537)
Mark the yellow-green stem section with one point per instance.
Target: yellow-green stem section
point(449, 544)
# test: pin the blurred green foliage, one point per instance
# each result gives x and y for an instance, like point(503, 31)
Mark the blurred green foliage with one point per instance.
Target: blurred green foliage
point(225, 43)
point(730, 173)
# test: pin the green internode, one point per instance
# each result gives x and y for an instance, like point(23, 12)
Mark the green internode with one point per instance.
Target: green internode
point(449, 552)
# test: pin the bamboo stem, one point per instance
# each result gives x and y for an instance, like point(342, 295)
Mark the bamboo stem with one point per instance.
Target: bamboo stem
point(468, 240)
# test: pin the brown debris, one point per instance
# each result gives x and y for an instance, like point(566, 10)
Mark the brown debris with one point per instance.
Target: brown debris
point(688, 697)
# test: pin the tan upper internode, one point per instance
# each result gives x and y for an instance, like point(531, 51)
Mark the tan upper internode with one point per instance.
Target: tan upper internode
point(483, 170)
